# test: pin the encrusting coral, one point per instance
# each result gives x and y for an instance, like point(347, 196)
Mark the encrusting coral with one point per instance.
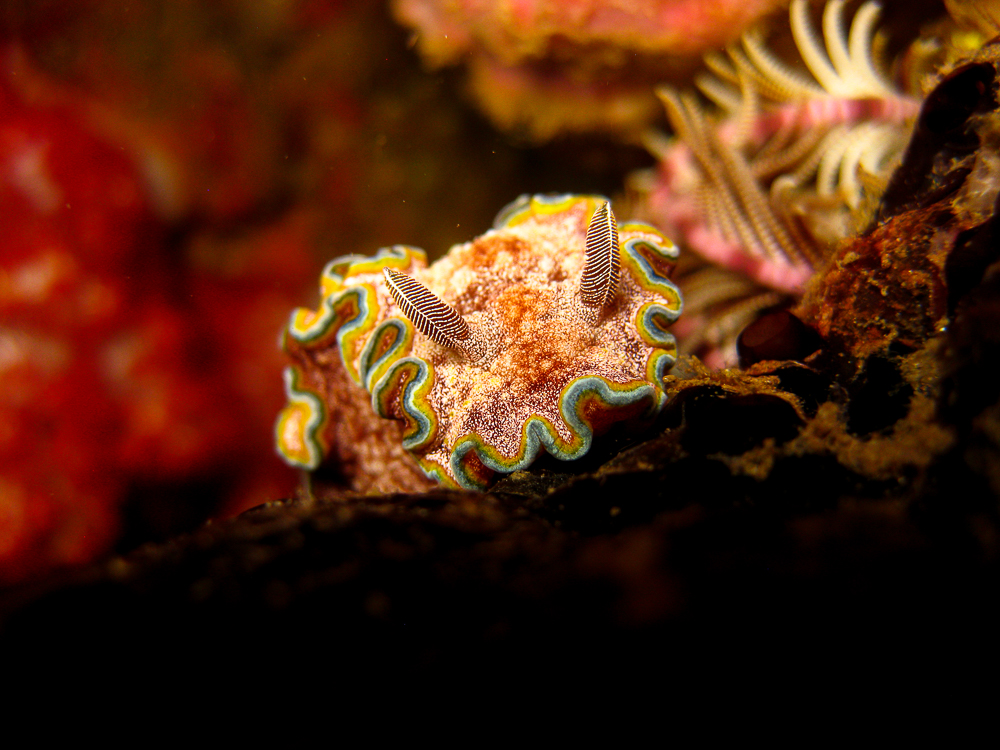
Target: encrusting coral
point(537, 336)
point(543, 68)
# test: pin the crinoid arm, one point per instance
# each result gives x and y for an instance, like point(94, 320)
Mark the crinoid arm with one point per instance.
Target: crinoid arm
point(739, 208)
point(841, 64)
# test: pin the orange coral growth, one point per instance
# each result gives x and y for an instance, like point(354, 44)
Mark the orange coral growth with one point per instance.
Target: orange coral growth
point(548, 67)
point(885, 286)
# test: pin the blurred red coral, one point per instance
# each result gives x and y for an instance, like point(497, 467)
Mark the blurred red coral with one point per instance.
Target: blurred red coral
point(242, 290)
point(121, 365)
point(73, 211)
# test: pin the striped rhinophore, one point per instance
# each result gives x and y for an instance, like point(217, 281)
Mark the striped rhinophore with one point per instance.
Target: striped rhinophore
point(436, 319)
point(600, 275)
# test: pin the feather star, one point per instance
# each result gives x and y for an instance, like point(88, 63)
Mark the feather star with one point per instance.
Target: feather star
point(536, 336)
point(766, 188)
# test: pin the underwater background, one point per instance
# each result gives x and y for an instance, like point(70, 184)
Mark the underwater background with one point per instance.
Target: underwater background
point(174, 176)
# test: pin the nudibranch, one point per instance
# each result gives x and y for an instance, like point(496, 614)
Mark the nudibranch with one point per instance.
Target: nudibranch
point(536, 336)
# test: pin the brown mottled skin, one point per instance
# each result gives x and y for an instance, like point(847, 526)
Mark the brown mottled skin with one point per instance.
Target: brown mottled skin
point(366, 451)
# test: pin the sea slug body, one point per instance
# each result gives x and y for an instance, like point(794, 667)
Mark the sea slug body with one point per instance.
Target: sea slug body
point(538, 335)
